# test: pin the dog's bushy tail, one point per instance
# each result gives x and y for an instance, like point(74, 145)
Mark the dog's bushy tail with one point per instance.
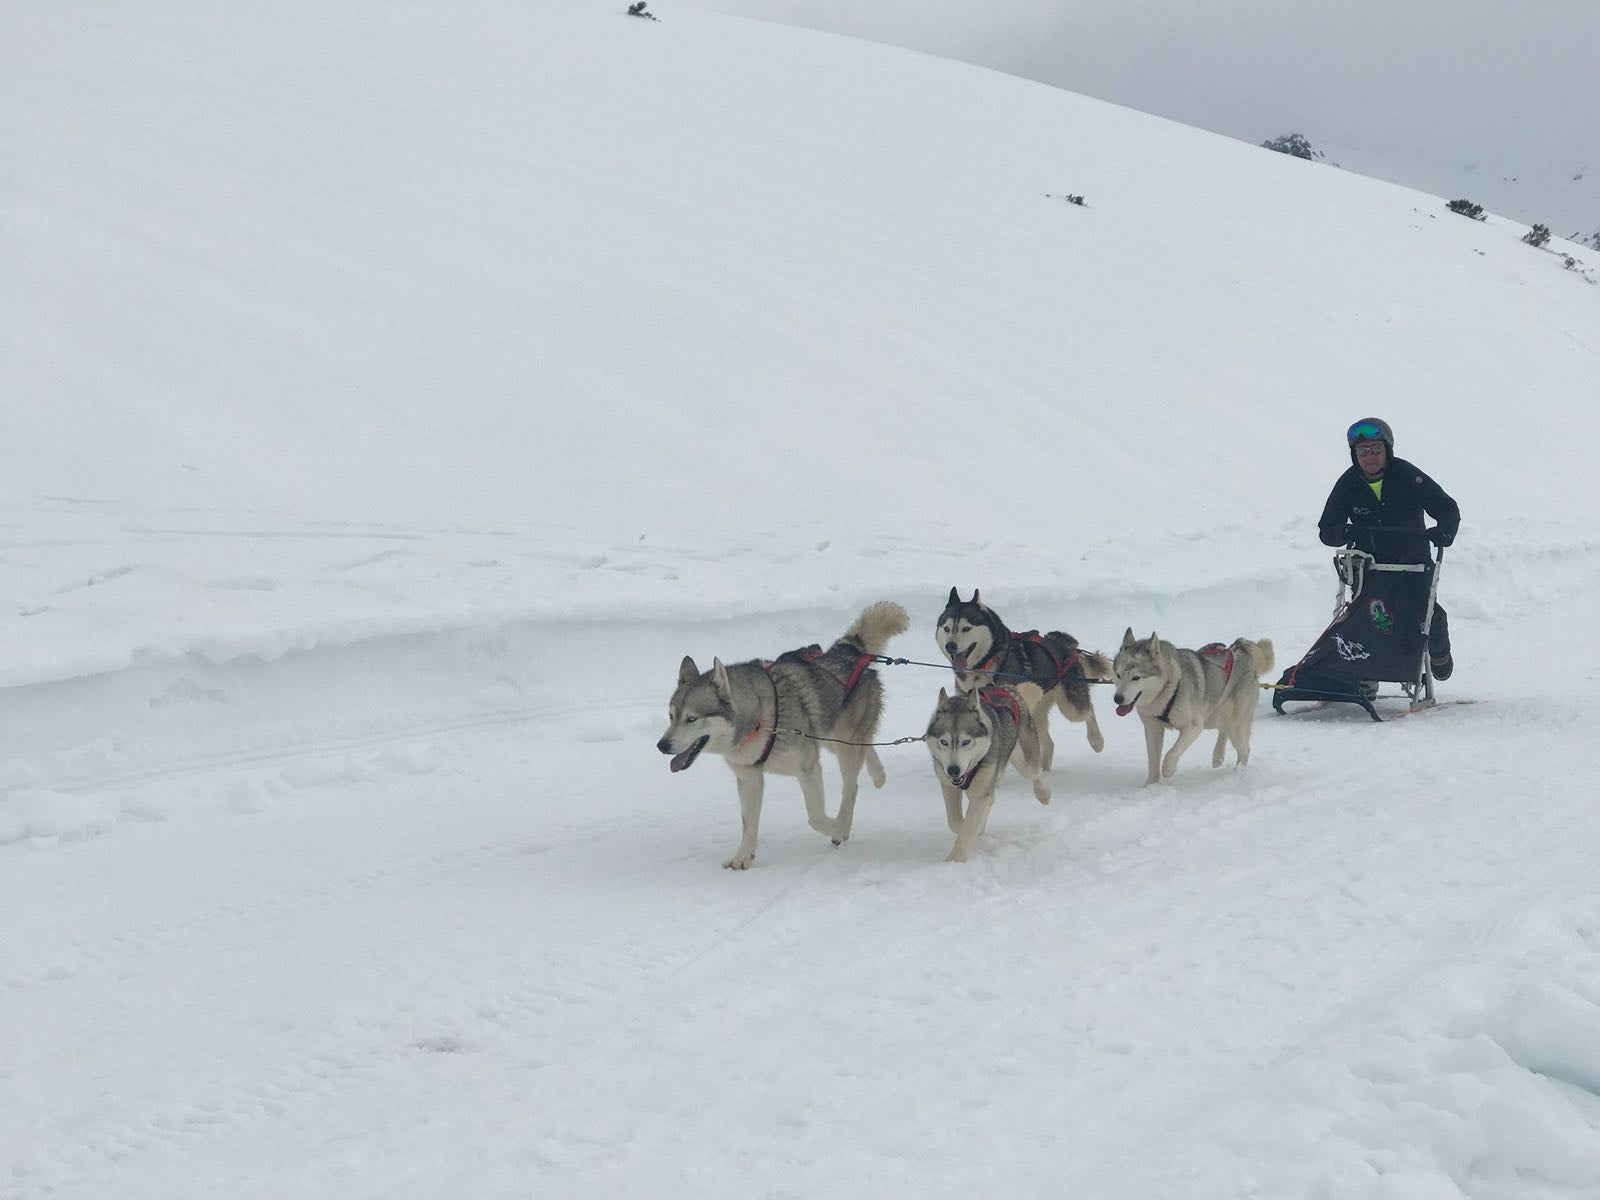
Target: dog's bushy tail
point(1260, 652)
point(876, 625)
point(1095, 666)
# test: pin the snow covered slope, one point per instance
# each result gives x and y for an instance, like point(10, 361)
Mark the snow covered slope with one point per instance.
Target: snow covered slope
point(392, 394)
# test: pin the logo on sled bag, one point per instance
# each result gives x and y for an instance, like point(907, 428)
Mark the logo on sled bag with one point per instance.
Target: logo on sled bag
point(1350, 651)
point(1381, 620)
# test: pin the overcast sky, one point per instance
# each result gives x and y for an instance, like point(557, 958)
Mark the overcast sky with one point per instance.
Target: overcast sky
point(1511, 88)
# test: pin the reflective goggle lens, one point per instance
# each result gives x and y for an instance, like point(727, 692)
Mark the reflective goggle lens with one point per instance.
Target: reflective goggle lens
point(1364, 431)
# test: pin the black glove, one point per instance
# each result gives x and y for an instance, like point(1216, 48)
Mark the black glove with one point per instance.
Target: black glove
point(1439, 537)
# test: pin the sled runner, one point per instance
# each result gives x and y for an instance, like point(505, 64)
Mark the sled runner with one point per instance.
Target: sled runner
point(1379, 633)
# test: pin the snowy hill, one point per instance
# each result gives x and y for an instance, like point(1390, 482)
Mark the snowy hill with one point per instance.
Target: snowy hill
point(1563, 196)
point(391, 395)
point(1482, 101)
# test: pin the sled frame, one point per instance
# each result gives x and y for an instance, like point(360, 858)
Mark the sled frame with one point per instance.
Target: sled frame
point(1352, 566)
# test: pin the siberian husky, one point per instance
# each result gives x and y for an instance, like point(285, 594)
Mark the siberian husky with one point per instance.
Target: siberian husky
point(749, 714)
point(1190, 690)
point(972, 736)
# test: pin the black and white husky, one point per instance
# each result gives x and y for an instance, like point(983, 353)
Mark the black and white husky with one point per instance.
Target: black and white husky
point(765, 717)
point(972, 736)
point(986, 653)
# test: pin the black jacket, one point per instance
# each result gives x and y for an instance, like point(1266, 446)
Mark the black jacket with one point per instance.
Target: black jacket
point(1407, 494)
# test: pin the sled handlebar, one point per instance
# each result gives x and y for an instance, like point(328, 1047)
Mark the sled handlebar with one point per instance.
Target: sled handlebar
point(1393, 531)
point(1397, 530)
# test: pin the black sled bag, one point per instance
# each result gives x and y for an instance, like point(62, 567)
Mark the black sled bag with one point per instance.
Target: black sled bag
point(1377, 636)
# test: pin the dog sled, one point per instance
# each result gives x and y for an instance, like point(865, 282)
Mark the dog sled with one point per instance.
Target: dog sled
point(1379, 634)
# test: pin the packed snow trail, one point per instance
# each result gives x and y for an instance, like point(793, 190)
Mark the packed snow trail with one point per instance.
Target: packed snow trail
point(508, 955)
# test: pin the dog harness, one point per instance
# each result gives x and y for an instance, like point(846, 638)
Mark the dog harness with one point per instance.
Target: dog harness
point(772, 737)
point(984, 665)
point(810, 656)
point(813, 655)
point(1215, 648)
point(999, 698)
point(1166, 713)
point(1034, 637)
point(1210, 648)
point(1061, 667)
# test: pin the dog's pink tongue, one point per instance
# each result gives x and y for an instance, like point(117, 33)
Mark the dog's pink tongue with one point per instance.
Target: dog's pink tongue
point(959, 662)
point(1122, 711)
point(680, 761)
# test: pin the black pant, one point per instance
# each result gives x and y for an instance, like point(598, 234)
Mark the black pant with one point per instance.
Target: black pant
point(1439, 632)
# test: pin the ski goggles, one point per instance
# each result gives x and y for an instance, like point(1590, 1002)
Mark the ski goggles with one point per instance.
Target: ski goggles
point(1365, 431)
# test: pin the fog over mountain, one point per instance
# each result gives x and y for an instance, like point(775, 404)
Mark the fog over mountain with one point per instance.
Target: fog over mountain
point(1474, 98)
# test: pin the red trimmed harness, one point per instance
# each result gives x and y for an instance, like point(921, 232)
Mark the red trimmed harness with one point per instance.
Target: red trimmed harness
point(984, 665)
point(1002, 698)
point(849, 682)
point(1061, 668)
point(1213, 649)
point(772, 737)
point(1033, 635)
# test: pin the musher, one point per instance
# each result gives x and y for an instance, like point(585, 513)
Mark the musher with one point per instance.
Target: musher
point(1390, 493)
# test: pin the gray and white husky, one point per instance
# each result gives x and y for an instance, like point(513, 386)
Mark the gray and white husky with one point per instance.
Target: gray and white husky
point(1190, 690)
point(984, 651)
point(748, 713)
point(972, 736)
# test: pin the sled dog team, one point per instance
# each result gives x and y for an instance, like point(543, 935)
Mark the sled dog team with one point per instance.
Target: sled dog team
point(775, 717)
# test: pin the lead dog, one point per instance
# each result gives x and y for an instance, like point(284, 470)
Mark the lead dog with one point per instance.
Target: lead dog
point(972, 736)
point(1190, 691)
point(748, 713)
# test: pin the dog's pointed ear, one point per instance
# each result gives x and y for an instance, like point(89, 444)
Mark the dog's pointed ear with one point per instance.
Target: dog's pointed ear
point(1154, 643)
point(943, 695)
point(719, 678)
point(687, 670)
point(955, 599)
point(1128, 638)
point(975, 599)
